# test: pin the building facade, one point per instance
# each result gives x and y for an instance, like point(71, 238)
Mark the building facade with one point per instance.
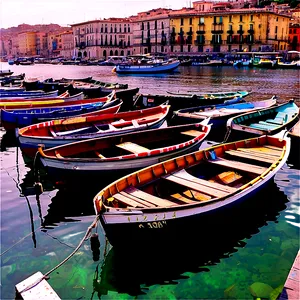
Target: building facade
point(26, 44)
point(102, 38)
point(67, 42)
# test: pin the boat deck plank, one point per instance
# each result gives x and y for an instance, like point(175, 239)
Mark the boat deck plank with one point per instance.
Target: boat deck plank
point(192, 132)
point(197, 186)
point(132, 147)
point(137, 194)
point(236, 165)
point(270, 155)
point(130, 202)
point(249, 156)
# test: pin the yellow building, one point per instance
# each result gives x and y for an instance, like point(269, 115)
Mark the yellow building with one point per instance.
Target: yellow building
point(27, 44)
point(226, 30)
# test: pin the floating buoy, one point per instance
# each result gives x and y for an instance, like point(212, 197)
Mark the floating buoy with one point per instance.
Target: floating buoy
point(95, 246)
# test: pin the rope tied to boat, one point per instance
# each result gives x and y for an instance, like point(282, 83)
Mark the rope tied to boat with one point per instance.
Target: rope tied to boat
point(46, 276)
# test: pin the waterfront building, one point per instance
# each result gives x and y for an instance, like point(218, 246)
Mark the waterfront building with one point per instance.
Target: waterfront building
point(67, 42)
point(103, 38)
point(27, 43)
point(41, 44)
point(294, 37)
point(151, 31)
point(54, 44)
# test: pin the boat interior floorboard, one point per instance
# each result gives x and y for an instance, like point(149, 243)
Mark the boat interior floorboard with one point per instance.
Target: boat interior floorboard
point(250, 156)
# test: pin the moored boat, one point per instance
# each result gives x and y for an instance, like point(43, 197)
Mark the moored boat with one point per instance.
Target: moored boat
point(220, 113)
point(159, 201)
point(18, 118)
point(59, 132)
point(180, 101)
point(38, 102)
point(265, 121)
point(147, 68)
point(121, 154)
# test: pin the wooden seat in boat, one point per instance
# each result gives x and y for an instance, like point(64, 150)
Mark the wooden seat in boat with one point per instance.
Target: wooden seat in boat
point(132, 147)
point(131, 202)
point(237, 165)
point(192, 132)
point(200, 185)
point(252, 156)
point(99, 154)
point(262, 151)
point(228, 177)
point(138, 195)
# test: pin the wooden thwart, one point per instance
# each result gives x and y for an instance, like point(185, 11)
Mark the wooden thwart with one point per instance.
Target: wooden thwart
point(262, 150)
point(236, 165)
point(132, 147)
point(192, 132)
point(130, 202)
point(251, 156)
point(259, 153)
point(99, 154)
point(138, 195)
point(200, 185)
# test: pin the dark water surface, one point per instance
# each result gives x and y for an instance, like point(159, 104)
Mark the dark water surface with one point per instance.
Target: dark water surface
point(256, 243)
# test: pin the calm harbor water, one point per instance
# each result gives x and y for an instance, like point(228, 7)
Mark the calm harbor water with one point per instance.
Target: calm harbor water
point(255, 244)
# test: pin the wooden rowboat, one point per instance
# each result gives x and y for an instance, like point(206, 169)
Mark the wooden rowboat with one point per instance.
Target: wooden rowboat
point(220, 113)
point(265, 121)
point(59, 132)
point(122, 154)
point(18, 118)
point(158, 202)
point(38, 103)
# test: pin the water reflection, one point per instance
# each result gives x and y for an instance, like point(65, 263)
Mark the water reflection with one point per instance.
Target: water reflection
point(69, 203)
point(127, 269)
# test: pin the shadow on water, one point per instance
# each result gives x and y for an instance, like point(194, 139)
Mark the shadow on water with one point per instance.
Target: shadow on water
point(126, 268)
point(8, 140)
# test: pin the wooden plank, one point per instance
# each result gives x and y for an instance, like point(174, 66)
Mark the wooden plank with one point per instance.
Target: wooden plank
point(183, 174)
point(260, 153)
point(128, 201)
point(99, 154)
point(229, 177)
point(58, 155)
point(34, 288)
point(192, 132)
point(132, 191)
point(270, 151)
point(236, 165)
point(249, 156)
point(196, 186)
point(196, 195)
point(273, 147)
point(132, 147)
point(291, 288)
point(183, 199)
point(144, 203)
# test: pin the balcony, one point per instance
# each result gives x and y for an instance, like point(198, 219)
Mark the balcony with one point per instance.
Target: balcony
point(217, 28)
point(189, 32)
point(82, 45)
point(240, 31)
point(200, 31)
point(230, 31)
point(251, 31)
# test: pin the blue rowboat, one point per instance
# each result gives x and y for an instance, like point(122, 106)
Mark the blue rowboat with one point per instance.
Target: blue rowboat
point(154, 204)
point(147, 68)
point(12, 95)
point(265, 121)
point(18, 118)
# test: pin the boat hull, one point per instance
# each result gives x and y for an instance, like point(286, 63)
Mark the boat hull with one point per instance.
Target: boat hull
point(146, 69)
point(29, 144)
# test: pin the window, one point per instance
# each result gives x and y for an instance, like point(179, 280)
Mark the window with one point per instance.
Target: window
point(276, 28)
point(201, 21)
point(191, 21)
point(221, 20)
point(215, 19)
point(241, 18)
point(251, 18)
point(162, 25)
point(230, 18)
point(181, 22)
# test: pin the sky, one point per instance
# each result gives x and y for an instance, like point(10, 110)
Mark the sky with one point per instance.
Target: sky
point(67, 12)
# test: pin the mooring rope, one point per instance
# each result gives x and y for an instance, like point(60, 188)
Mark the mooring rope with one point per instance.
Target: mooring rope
point(46, 276)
